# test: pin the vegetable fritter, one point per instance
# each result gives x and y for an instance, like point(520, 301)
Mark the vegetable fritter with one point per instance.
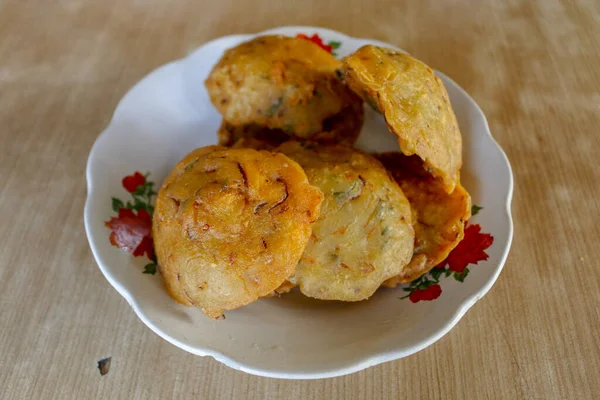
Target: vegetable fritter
point(438, 217)
point(230, 226)
point(342, 128)
point(279, 82)
point(364, 234)
point(415, 105)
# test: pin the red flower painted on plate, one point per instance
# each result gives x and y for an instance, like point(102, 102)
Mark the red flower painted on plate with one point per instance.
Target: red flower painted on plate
point(316, 39)
point(470, 250)
point(131, 182)
point(145, 247)
point(431, 292)
point(132, 232)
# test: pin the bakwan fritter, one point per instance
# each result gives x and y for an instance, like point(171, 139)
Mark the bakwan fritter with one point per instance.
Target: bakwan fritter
point(415, 105)
point(289, 202)
point(285, 84)
point(230, 226)
point(342, 128)
point(364, 234)
point(438, 217)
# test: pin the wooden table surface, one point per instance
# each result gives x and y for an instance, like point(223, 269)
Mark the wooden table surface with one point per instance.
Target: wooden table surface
point(533, 67)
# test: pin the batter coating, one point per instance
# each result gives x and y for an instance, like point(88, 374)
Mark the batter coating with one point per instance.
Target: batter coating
point(343, 128)
point(415, 105)
point(438, 217)
point(230, 226)
point(253, 143)
point(279, 82)
point(364, 234)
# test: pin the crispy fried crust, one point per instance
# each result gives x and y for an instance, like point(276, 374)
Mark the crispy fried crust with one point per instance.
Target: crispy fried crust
point(364, 235)
point(285, 288)
point(342, 128)
point(250, 136)
point(279, 82)
point(230, 226)
point(415, 105)
point(439, 217)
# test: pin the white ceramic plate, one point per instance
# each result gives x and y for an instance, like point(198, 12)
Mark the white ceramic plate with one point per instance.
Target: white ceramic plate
point(165, 116)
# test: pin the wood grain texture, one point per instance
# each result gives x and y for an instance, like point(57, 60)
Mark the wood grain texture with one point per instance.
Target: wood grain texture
point(531, 65)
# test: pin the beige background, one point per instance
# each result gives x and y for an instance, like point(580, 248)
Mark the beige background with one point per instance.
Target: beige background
point(532, 66)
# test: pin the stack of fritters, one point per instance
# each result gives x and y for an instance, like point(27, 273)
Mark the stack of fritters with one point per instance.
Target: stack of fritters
point(290, 202)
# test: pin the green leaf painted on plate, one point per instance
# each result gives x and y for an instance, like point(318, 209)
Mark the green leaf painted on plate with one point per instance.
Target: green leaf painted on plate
point(117, 204)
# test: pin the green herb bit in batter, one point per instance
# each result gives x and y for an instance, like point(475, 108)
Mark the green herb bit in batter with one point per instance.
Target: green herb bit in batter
point(274, 107)
point(350, 193)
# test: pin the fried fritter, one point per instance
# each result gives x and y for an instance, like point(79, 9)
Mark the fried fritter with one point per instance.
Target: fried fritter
point(230, 226)
point(438, 217)
point(279, 82)
point(285, 288)
point(415, 105)
point(342, 128)
point(250, 136)
point(364, 234)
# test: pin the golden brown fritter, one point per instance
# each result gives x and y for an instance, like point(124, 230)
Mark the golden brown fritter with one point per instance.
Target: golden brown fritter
point(415, 105)
point(230, 226)
point(252, 143)
point(343, 128)
point(364, 234)
point(285, 288)
point(279, 82)
point(251, 136)
point(439, 217)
